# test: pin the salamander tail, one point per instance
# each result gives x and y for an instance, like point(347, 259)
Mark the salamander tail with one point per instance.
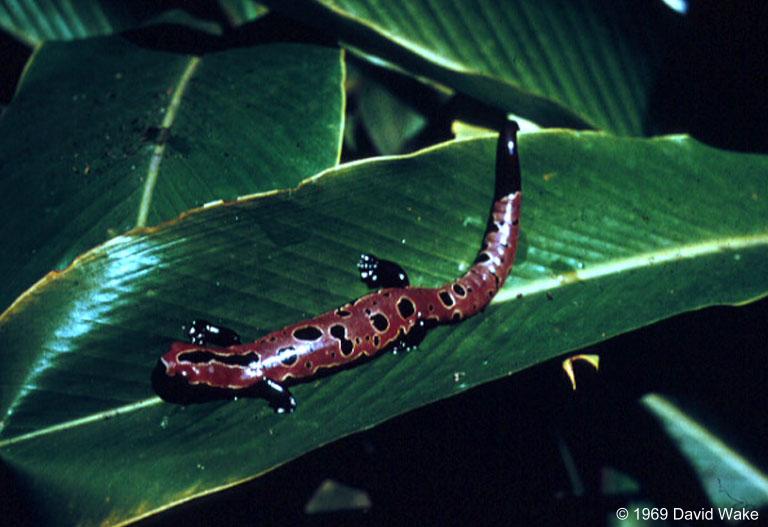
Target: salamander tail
point(507, 161)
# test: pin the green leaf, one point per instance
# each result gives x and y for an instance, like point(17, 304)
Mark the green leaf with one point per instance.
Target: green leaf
point(35, 21)
point(617, 233)
point(590, 63)
point(104, 136)
point(390, 122)
point(726, 476)
point(239, 12)
point(184, 19)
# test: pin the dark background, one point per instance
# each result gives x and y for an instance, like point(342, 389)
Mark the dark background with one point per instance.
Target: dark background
point(497, 454)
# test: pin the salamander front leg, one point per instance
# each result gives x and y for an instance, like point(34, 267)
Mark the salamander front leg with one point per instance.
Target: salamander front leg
point(204, 333)
point(381, 273)
point(278, 397)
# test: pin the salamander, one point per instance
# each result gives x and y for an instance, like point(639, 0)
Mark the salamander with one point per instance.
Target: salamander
point(394, 317)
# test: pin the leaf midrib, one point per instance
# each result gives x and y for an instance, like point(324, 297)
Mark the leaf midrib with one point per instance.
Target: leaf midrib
point(646, 259)
point(82, 421)
point(171, 112)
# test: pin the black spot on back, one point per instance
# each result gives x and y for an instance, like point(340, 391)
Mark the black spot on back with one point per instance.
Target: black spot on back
point(338, 331)
point(459, 290)
point(343, 313)
point(308, 333)
point(405, 307)
point(380, 322)
point(446, 298)
point(288, 356)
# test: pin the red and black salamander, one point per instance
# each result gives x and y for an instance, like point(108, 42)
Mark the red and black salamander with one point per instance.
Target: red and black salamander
point(394, 317)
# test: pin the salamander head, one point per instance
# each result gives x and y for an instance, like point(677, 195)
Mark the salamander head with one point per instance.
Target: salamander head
point(230, 368)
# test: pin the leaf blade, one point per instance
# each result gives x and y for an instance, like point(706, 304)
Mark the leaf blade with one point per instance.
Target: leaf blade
point(290, 255)
point(588, 64)
point(183, 131)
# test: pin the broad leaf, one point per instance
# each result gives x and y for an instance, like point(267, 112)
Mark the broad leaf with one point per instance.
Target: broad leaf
point(238, 12)
point(390, 122)
point(727, 477)
point(35, 21)
point(591, 63)
point(105, 135)
point(617, 233)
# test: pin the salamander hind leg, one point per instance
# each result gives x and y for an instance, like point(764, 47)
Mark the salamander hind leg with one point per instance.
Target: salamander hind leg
point(278, 397)
point(204, 333)
point(414, 337)
point(381, 273)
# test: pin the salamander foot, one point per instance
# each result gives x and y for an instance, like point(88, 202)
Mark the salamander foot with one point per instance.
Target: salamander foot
point(381, 273)
point(204, 333)
point(278, 397)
